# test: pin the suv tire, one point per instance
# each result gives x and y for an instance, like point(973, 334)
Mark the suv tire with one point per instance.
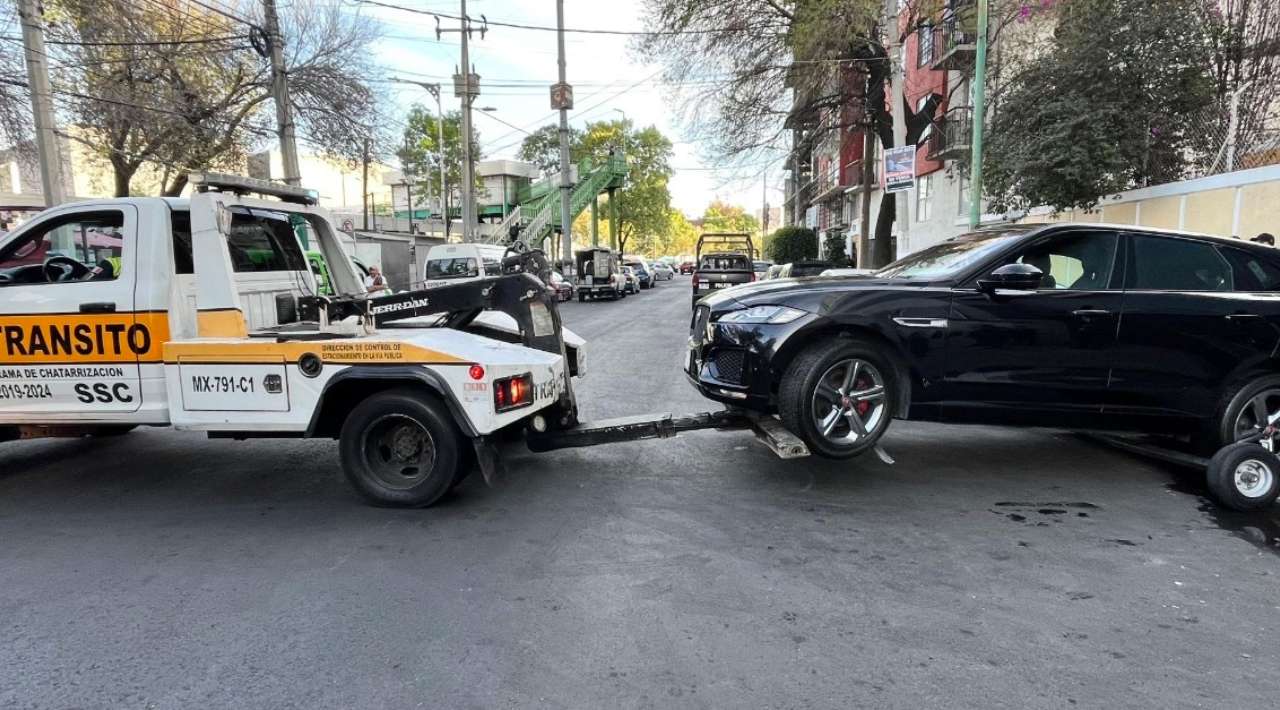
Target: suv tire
point(1231, 411)
point(838, 397)
point(401, 448)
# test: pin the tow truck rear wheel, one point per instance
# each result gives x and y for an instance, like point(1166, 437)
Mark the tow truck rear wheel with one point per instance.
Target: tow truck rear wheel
point(838, 397)
point(400, 448)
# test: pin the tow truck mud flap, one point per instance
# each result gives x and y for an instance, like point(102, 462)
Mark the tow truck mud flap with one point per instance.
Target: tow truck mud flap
point(662, 426)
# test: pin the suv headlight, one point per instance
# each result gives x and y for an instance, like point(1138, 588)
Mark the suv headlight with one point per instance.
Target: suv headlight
point(762, 314)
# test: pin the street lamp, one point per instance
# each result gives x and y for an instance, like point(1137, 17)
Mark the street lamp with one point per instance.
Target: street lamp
point(434, 90)
point(623, 131)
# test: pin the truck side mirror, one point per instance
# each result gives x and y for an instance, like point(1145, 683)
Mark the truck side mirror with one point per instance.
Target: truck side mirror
point(1012, 277)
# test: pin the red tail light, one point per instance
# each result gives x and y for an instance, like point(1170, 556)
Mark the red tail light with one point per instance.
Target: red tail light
point(512, 392)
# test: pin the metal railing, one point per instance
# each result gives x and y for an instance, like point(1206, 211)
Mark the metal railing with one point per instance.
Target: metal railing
point(951, 134)
point(955, 36)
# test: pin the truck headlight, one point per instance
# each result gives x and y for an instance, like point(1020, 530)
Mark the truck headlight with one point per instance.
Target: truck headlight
point(762, 314)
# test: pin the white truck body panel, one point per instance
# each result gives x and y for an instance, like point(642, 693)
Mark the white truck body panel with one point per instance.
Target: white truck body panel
point(159, 352)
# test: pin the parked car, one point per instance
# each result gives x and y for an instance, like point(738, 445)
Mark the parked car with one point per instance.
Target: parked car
point(641, 269)
point(686, 267)
point(798, 269)
point(598, 274)
point(1078, 326)
point(774, 272)
point(562, 286)
point(761, 268)
point(630, 279)
point(662, 271)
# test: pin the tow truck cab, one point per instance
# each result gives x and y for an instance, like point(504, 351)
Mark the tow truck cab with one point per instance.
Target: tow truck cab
point(156, 311)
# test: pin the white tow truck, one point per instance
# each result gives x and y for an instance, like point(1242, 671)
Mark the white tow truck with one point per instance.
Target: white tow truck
point(203, 314)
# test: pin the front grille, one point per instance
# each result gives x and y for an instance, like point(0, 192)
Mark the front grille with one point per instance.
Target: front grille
point(698, 328)
point(728, 364)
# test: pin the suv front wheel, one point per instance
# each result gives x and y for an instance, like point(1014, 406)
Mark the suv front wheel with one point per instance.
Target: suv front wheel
point(838, 397)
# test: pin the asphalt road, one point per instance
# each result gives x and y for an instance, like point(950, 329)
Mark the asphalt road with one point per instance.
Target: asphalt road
point(988, 568)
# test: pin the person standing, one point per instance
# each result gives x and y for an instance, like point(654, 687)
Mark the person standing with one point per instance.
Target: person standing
point(375, 283)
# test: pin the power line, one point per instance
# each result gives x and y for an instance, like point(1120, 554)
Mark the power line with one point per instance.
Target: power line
point(139, 43)
point(544, 28)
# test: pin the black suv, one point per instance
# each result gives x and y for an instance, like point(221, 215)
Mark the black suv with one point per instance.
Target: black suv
point(1079, 326)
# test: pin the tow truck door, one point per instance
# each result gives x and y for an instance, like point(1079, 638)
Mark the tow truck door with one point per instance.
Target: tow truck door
point(71, 339)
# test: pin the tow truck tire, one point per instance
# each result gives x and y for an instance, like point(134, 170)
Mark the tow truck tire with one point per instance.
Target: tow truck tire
point(870, 397)
point(1244, 477)
point(400, 448)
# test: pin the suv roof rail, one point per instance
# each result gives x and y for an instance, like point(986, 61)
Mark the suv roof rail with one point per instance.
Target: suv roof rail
point(240, 185)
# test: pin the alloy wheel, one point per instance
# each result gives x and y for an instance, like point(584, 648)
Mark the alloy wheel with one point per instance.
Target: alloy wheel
point(849, 402)
point(1262, 410)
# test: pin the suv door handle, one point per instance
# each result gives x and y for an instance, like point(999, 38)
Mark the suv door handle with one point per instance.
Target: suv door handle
point(1087, 313)
point(98, 307)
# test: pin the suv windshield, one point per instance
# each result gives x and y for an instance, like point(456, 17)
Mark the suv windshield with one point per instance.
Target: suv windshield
point(950, 257)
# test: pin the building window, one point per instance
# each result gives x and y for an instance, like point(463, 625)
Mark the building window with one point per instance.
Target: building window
point(924, 45)
point(928, 130)
point(924, 198)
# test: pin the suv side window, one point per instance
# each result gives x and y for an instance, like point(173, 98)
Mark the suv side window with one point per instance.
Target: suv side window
point(1175, 264)
point(86, 246)
point(1251, 272)
point(1078, 260)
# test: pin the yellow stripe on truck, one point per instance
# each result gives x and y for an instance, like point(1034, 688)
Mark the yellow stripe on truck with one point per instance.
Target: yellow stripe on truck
point(339, 351)
point(83, 337)
point(221, 323)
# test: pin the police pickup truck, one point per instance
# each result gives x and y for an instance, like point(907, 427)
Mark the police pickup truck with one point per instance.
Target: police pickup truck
point(203, 314)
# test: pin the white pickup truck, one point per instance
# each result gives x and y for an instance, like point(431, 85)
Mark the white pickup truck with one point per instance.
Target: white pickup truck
point(202, 314)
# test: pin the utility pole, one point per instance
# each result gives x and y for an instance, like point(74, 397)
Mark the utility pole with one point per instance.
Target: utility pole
point(466, 85)
point(32, 17)
point(979, 106)
point(764, 206)
point(280, 88)
point(364, 185)
point(898, 104)
point(566, 180)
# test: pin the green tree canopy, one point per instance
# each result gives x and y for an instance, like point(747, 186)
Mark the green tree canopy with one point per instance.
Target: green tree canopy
point(542, 147)
point(721, 216)
point(1105, 110)
point(792, 244)
point(420, 155)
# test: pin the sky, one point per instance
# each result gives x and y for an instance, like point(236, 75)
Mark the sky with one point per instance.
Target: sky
point(606, 75)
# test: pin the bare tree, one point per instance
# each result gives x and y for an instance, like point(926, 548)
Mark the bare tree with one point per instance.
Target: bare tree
point(172, 85)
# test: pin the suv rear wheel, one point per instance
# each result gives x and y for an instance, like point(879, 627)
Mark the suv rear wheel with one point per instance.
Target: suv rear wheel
point(400, 448)
point(838, 397)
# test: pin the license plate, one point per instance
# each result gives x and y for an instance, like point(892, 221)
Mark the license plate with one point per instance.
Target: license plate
point(720, 285)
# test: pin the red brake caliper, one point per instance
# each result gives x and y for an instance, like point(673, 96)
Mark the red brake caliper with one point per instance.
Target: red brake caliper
point(864, 406)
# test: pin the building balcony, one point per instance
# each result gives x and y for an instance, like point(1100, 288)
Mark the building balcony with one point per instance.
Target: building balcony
point(951, 134)
point(955, 38)
point(854, 172)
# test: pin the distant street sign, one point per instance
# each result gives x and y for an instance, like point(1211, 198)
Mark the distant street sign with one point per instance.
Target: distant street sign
point(900, 168)
point(561, 97)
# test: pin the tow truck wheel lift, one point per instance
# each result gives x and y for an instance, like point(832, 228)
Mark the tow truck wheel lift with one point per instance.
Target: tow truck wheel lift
point(521, 293)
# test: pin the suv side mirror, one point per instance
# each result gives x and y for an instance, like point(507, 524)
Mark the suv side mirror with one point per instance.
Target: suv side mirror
point(1012, 277)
